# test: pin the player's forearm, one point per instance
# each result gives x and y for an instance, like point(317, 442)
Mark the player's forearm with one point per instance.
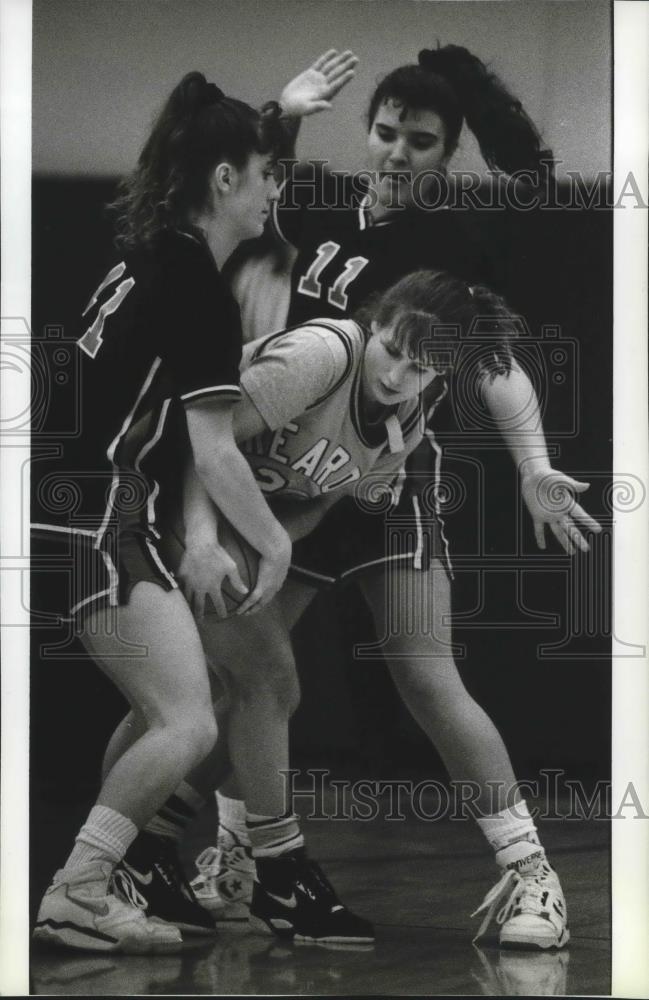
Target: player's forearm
point(513, 404)
point(227, 481)
point(199, 513)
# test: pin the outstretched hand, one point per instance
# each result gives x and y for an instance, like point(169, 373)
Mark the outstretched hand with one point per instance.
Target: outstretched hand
point(550, 498)
point(314, 89)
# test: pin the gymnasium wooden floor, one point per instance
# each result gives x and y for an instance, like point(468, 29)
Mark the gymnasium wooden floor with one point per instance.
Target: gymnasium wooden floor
point(418, 881)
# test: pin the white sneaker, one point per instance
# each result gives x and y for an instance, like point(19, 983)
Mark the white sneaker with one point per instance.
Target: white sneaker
point(527, 902)
point(77, 914)
point(224, 882)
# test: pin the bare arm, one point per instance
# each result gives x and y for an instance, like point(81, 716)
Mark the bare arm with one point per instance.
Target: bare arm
point(222, 477)
point(549, 494)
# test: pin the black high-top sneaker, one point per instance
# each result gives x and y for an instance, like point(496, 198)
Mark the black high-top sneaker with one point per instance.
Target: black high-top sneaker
point(293, 899)
point(153, 864)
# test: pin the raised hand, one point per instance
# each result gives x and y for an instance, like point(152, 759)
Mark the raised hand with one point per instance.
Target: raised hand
point(314, 88)
point(550, 498)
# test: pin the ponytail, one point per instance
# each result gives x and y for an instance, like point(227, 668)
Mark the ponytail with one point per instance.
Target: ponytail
point(458, 86)
point(197, 128)
point(507, 136)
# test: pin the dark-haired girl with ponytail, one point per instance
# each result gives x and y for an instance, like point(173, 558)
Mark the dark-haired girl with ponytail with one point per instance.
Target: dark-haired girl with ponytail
point(160, 358)
point(353, 238)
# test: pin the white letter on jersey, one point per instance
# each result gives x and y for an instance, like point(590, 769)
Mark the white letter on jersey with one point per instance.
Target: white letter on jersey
point(309, 460)
point(351, 477)
point(336, 460)
point(278, 441)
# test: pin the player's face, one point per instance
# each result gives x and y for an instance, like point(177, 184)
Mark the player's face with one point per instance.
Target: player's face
point(401, 151)
point(390, 375)
point(256, 189)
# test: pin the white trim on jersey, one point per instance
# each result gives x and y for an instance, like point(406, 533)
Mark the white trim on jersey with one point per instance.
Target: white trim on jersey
point(438, 467)
point(144, 451)
point(376, 562)
point(113, 578)
point(231, 390)
point(364, 212)
point(113, 447)
point(420, 535)
point(274, 217)
point(87, 600)
point(70, 531)
point(315, 576)
point(158, 561)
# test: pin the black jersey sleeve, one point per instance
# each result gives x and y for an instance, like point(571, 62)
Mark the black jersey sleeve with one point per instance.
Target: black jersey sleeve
point(201, 328)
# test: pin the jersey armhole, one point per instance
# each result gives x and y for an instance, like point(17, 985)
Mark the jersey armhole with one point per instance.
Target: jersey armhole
point(274, 218)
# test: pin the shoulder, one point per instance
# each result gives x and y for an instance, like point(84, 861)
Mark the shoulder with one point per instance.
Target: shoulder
point(340, 341)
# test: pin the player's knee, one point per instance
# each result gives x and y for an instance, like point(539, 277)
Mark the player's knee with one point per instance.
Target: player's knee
point(195, 737)
point(276, 686)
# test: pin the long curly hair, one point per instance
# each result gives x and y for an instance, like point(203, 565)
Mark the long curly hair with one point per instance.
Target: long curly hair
point(197, 128)
point(455, 84)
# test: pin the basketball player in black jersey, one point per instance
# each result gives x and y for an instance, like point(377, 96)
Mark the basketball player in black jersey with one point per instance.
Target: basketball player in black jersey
point(161, 352)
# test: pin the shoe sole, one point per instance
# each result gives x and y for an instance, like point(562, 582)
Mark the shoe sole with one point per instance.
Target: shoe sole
point(66, 935)
point(259, 926)
point(538, 944)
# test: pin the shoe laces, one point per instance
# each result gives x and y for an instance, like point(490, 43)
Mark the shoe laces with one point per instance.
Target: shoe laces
point(207, 861)
point(123, 888)
point(514, 890)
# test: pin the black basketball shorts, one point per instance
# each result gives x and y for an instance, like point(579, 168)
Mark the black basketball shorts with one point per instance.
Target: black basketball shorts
point(352, 541)
point(89, 578)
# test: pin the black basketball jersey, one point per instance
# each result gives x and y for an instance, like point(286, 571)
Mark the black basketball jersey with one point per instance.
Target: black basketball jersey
point(343, 257)
point(162, 329)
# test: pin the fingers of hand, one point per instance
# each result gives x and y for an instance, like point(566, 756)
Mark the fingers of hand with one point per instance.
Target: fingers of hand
point(235, 579)
point(579, 514)
point(578, 486)
point(251, 601)
point(218, 602)
point(336, 63)
point(322, 60)
point(336, 87)
point(569, 535)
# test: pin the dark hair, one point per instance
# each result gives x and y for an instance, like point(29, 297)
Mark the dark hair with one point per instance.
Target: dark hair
point(197, 128)
point(458, 86)
point(437, 316)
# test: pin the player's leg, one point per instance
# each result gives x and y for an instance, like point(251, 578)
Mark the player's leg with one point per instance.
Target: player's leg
point(150, 648)
point(291, 896)
point(226, 871)
point(411, 611)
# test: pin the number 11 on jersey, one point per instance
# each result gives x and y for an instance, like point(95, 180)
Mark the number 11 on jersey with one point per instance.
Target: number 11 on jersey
point(310, 284)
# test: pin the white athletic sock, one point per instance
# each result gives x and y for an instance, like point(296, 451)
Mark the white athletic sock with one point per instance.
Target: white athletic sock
point(105, 836)
point(272, 836)
point(232, 820)
point(507, 827)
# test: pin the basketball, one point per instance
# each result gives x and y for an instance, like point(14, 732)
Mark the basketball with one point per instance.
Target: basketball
point(172, 547)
